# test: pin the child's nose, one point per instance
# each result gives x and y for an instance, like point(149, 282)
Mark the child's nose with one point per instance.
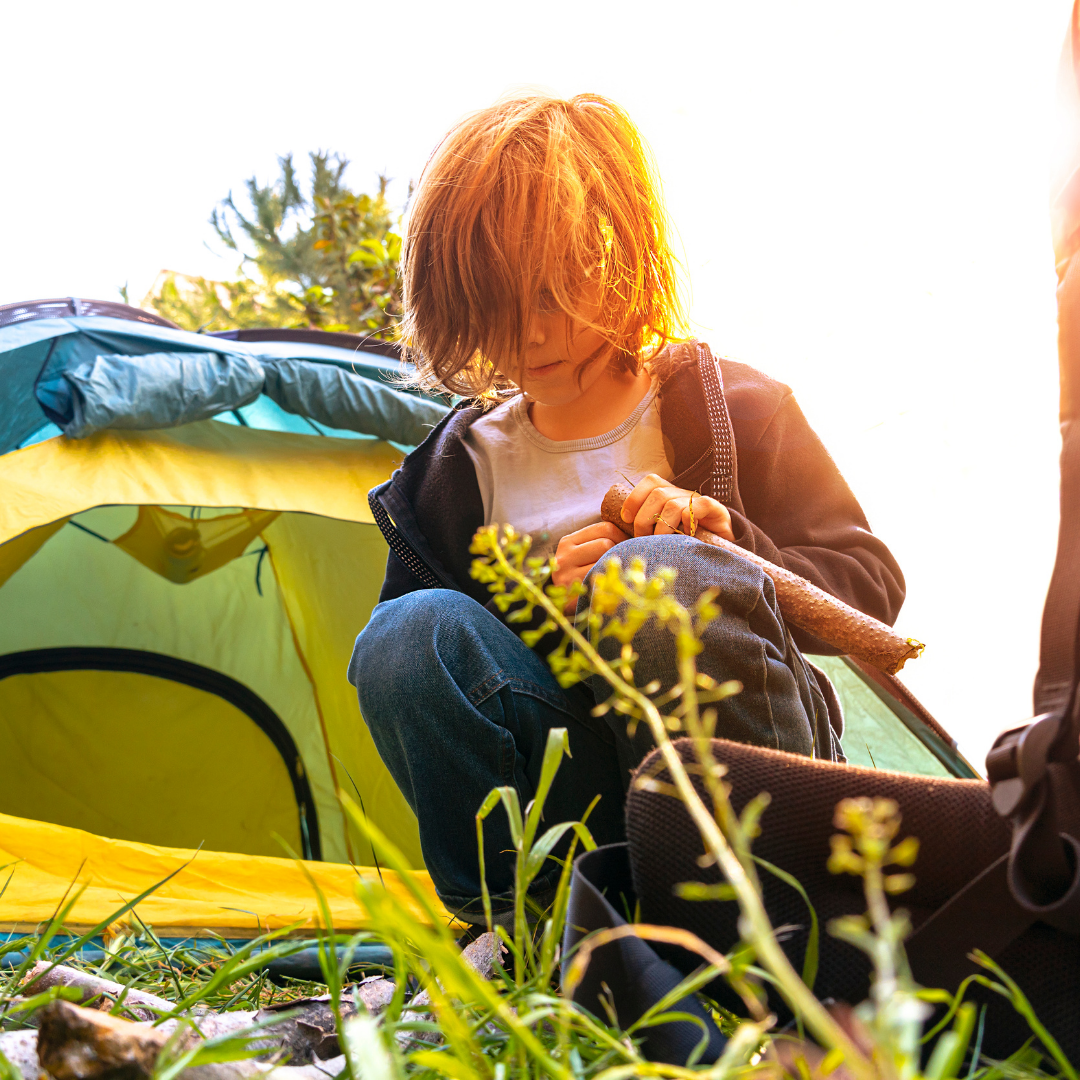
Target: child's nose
point(536, 331)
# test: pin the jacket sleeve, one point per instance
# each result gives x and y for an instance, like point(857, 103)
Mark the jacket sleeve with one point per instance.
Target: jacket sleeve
point(801, 514)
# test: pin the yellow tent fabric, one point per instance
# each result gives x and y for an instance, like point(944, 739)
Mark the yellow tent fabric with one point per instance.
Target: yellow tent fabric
point(325, 633)
point(15, 552)
point(204, 464)
point(181, 549)
point(87, 719)
point(234, 895)
point(78, 591)
point(277, 617)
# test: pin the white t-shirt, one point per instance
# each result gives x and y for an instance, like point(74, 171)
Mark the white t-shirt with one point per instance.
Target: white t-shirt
point(548, 488)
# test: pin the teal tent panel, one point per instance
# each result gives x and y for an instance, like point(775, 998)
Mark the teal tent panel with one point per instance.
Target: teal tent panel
point(340, 399)
point(369, 364)
point(88, 373)
point(19, 335)
point(155, 390)
point(20, 413)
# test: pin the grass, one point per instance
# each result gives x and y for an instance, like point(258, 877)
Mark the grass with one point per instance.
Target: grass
point(523, 1023)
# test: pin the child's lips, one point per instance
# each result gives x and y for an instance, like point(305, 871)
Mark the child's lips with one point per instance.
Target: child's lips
point(544, 369)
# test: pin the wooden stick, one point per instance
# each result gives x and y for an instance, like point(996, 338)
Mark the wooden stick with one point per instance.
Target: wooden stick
point(44, 976)
point(83, 1044)
point(803, 604)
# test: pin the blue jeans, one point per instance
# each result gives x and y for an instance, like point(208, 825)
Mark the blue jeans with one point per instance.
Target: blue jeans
point(457, 705)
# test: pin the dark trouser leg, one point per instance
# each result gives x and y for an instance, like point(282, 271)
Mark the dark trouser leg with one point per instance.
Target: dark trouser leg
point(780, 705)
point(457, 705)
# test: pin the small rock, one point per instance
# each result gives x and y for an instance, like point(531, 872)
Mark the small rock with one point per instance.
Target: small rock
point(481, 955)
point(376, 993)
point(20, 1048)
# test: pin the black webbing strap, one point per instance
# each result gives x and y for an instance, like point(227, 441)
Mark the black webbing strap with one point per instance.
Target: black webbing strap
point(1034, 770)
point(627, 972)
point(982, 915)
point(1061, 614)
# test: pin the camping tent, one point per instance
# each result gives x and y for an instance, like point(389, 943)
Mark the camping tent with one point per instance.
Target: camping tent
point(180, 585)
point(186, 555)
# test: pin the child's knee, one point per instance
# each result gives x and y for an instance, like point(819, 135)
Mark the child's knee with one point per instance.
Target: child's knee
point(652, 550)
point(401, 635)
point(741, 585)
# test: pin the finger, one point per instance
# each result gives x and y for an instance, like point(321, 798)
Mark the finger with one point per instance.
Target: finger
point(672, 517)
point(602, 530)
point(582, 572)
point(640, 493)
point(653, 507)
point(569, 574)
point(589, 553)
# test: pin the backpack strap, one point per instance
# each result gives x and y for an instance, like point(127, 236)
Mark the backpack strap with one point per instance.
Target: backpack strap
point(1036, 783)
point(722, 481)
point(982, 915)
point(698, 437)
point(1035, 770)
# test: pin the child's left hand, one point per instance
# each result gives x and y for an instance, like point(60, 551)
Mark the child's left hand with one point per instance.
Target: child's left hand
point(657, 506)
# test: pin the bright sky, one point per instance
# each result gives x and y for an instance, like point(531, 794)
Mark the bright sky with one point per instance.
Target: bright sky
point(861, 189)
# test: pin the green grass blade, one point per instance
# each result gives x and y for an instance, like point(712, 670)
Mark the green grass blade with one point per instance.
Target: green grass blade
point(558, 743)
point(813, 938)
point(1021, 1004)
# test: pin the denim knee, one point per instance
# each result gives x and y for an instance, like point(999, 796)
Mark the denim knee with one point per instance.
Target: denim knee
point(402, 633)
point(741, 585)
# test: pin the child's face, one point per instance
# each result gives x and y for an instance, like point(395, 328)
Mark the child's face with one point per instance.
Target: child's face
point(558, 346)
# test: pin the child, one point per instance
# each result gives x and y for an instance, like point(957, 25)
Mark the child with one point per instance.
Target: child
point(540, 286)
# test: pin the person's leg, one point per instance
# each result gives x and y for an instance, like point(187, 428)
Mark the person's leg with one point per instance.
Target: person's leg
point(779, 706)
point(458, 705)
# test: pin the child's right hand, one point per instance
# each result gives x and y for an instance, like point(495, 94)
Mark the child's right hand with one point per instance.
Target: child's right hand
point(578, 552)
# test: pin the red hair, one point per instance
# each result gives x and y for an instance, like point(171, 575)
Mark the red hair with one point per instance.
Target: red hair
point(536, 195)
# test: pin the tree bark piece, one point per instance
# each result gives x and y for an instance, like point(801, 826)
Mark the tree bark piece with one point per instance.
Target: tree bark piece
point(83, 1044)
point(44, 976)
point(803, 604)
point(310, 1035)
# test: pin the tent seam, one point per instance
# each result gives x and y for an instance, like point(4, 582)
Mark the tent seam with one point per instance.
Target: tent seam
point(318, 704)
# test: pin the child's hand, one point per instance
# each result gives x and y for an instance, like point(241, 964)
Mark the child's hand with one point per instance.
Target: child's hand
point(578, 552)
point(657, 506)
